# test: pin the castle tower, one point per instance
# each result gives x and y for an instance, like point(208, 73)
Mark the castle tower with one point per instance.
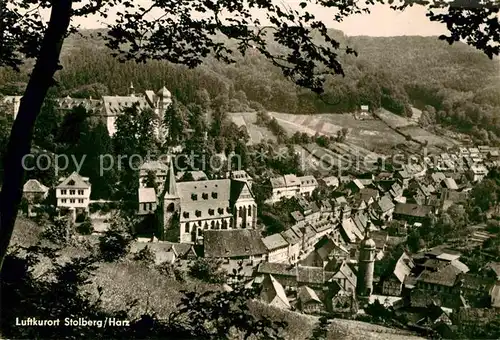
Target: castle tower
point(131, 91)
point(164, 100)
point(366, 264)
point(169, 202)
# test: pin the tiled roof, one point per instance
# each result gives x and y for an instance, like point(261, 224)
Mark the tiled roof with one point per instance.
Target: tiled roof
point(414, 210)
point(275, 241)
point(74, 181)
point(33, 185)
point(444, 276)
point(276, 269)
point(233, 243)
point(313, 275)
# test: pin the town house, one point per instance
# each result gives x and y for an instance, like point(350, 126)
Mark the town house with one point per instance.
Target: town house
point(74, 192)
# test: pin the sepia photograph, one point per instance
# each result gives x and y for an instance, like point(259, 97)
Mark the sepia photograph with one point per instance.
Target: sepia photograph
point(250, 169)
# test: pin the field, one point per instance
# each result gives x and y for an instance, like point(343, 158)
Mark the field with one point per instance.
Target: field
point(248, 120)
point(393, 120)
point(421, 135)
point(370, 134)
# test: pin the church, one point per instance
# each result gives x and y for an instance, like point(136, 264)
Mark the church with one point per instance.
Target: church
point(219, 204)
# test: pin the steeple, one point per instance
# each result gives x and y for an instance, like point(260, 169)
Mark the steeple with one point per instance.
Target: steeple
point(171, 184)
point(366, 264)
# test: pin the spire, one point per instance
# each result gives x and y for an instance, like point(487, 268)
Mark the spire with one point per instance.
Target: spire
point(171, 184)
point(367, 229)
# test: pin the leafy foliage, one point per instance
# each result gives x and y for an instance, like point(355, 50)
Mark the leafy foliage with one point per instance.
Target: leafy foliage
point(115, 242)
point(207, 270)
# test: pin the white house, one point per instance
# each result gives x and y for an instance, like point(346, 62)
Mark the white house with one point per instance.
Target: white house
point(477, 172)
point(277, 248)
point(290, 185)
point(74, 192)
point(307, 185)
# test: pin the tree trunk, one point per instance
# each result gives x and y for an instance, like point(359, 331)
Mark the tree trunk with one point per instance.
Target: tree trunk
point(41, 79)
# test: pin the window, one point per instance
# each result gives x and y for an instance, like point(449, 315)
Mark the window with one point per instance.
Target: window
point(205, 196)
point(249, 209)
point(63, 200)
point(80, 192)
point(186, 214)
point(72, 192)
point(150, 206)
point(144, 206)
point(80, 200)
point(214, 195)
point(198, 213)
point(64, 192)
point(211, 212)
point(194, 197)
point(220, 211)
point(72, 182)
point(72, 200)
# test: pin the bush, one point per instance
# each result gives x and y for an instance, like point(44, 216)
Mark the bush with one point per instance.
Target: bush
point(207, 270)
point(146, 256)
point(85, 228)
point(115, 243)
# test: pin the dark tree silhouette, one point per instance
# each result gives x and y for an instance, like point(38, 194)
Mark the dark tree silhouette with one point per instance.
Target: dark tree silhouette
point(177, 36)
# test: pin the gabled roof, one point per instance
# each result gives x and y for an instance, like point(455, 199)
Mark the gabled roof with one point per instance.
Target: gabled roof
point(114, 105)
point(233, 243)
point(290, 236)
point(275, 241)
point(33, 186)
point(74, 181)
point(277, 269)
point(306, 294)
point(450, 183)
point(271, 290)
point(147, 195)
point(384, 204)
point(314, 275)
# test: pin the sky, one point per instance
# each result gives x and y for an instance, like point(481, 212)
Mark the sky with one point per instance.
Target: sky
point(382, 21)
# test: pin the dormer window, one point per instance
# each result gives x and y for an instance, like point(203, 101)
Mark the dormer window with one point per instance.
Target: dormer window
point(214, 195)
point(198, 213)
point(205, 196)
point(72, 182)
point(194, 197)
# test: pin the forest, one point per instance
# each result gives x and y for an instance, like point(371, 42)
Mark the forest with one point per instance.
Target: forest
point(455, 86)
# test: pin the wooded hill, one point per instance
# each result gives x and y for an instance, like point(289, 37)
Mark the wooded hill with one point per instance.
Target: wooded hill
point(455, 85)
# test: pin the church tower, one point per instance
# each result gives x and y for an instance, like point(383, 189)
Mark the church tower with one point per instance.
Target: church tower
point(366, 264)
point(169, 202)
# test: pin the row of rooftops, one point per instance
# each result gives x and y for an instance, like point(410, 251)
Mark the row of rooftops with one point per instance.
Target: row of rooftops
point(73, 181)
point(290, 180)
